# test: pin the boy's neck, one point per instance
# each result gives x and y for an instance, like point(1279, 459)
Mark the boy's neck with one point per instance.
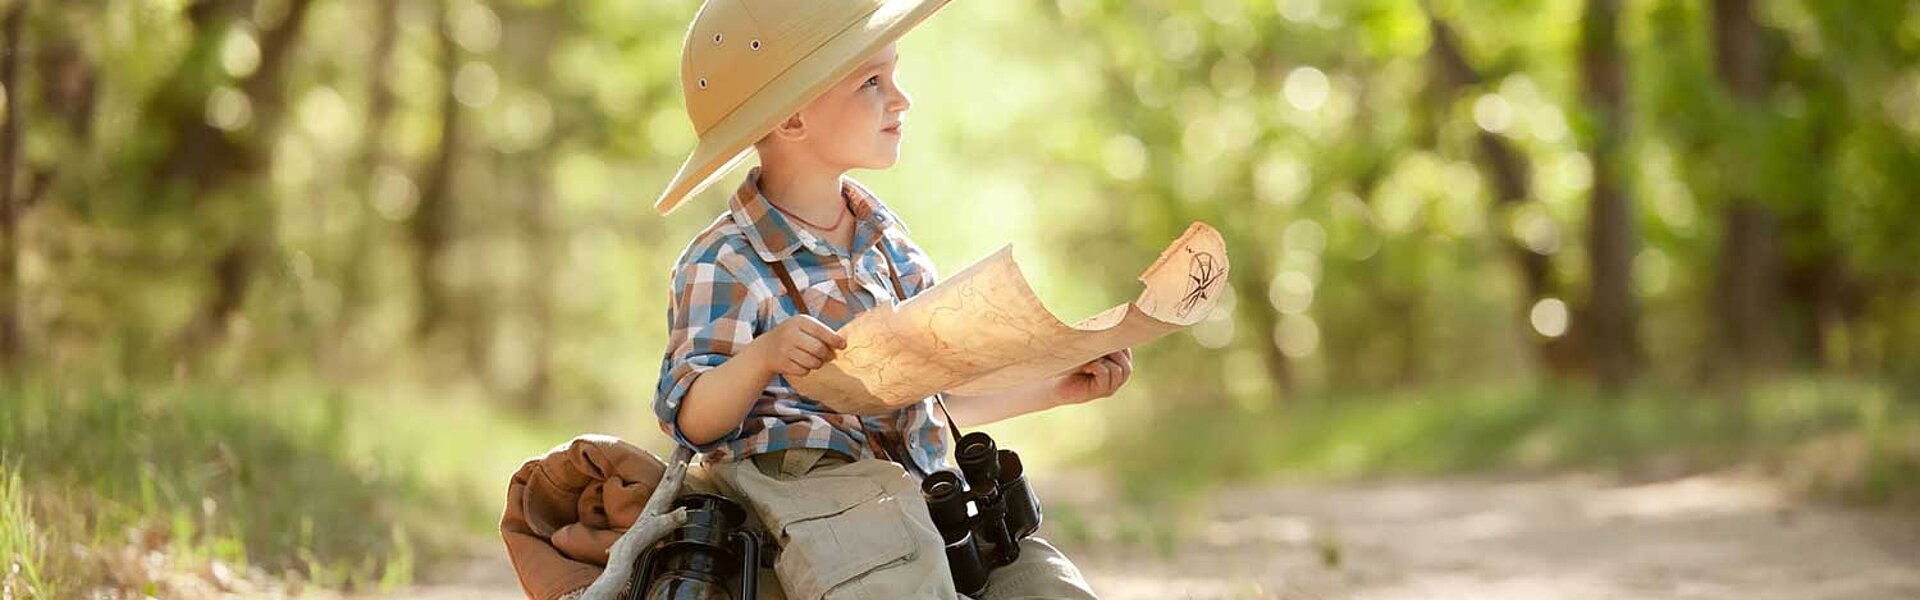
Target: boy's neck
point(811, 194)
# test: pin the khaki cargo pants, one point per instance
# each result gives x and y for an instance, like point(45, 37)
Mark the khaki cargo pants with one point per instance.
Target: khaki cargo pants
point(860, 530)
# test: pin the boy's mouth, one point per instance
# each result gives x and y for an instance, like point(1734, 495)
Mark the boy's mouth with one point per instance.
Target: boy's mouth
point(893, 129)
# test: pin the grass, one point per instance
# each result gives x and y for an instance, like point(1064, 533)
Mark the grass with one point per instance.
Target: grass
point(176, 490)
point(22, 548)
point(1853, 440)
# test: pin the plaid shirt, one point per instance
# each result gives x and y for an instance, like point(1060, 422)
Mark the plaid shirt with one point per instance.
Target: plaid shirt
point(725, 294)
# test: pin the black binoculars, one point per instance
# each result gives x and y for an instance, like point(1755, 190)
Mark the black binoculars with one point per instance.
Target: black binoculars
point(697, 560)
point(983, 517)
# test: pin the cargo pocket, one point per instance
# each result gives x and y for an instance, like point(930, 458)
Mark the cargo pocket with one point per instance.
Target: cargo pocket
point(833, 534)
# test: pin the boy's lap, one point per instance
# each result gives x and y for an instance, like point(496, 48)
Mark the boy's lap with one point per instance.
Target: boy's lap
point(855, 529)
point(860, 529)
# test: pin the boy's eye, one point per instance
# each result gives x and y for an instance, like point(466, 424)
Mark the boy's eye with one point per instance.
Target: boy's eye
point(874, 80)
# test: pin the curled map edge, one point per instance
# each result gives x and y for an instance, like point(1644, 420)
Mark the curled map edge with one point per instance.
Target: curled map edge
point(985, 330)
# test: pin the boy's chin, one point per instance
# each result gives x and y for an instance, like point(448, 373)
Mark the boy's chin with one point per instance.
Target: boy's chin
point(881, 162)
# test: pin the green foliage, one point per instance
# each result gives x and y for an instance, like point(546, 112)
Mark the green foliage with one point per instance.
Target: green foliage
point(23, 549)
point(268, 482)
point(1840, 438)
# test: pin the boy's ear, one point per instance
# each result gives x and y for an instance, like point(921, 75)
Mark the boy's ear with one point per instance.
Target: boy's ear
point(793, 129)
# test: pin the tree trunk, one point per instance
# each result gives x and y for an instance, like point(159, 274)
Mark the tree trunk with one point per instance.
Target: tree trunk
point(537, 219)
point(1749, 271)
point(1506, 169)
point(1611, 337)
point(431, 223)
point(10, 204)
point(229, 164)
point(354, 274)
point(1252, 292)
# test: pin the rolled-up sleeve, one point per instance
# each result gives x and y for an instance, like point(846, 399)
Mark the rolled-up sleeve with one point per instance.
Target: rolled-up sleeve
point(711, 317)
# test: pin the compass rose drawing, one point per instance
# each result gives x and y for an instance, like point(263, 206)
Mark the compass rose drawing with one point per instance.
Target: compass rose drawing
point(1202, 274)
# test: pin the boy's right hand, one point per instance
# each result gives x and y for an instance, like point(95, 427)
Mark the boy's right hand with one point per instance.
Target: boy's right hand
point(795, 347)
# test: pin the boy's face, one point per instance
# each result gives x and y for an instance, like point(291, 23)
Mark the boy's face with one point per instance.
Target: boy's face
point(856, 123)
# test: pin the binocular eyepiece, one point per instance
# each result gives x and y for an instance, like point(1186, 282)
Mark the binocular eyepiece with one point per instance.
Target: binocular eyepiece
point(982, 512)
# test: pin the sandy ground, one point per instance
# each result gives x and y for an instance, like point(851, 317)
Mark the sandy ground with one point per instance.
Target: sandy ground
point(1565, 537)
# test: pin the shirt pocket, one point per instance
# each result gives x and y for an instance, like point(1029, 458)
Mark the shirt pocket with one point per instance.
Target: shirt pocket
point(835, 531)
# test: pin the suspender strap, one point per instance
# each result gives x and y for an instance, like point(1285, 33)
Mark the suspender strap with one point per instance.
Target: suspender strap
point(893, 273)
point(793, 291)
point(900, 293)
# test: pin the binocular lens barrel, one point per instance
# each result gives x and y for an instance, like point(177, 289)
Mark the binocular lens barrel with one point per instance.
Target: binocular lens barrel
point(947, 501)
point(983, 511)
point(1022, 504)
point(969, 568)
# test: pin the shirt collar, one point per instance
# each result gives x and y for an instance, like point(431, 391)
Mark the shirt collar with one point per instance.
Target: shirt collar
point(775, 237)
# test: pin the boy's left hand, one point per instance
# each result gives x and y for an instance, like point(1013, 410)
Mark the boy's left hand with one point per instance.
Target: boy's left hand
point(1099, 378)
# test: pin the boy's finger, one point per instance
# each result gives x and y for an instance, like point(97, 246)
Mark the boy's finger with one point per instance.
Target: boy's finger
point(807, 361)
point(812, 347)
point(820, 331)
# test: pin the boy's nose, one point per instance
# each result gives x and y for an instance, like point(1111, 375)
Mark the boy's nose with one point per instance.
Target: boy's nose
point(900, 102)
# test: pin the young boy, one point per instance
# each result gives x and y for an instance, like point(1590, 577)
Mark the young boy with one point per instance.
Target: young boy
point(801, 250)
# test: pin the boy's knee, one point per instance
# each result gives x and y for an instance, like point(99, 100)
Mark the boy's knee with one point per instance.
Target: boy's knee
point(1042, 571)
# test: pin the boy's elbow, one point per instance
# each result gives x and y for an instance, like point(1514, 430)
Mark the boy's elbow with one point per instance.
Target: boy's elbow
point(693, 434)
point(692, 429)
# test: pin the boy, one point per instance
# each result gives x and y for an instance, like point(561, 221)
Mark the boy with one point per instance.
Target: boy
point(800, 251)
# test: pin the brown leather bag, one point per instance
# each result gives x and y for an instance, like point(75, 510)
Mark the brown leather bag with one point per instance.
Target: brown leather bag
point(566, 508)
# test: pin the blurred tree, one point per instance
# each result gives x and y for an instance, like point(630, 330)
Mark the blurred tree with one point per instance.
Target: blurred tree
point(1748, 272)
point(1507, 169)
point(1612, 320)
point(11, 205)
point(431, 224)
point(206, 162)
point(373, 162)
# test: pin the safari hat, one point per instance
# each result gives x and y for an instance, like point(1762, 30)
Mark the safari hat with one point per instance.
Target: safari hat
point(748, 64)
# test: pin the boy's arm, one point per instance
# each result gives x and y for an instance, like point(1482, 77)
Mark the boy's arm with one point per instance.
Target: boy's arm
point(1098, 378)
point(720, 399)
point(716, 368)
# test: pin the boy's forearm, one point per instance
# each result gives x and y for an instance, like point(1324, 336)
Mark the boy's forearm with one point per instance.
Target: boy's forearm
point(973, 411)
point(720, 399)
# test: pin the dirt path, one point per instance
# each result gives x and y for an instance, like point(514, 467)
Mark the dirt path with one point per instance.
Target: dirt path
point(1707, 538)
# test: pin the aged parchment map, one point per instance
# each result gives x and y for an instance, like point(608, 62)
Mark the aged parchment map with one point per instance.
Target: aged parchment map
point(984, 330)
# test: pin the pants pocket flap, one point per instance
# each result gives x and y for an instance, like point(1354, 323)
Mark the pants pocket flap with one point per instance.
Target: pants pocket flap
point(825, 552)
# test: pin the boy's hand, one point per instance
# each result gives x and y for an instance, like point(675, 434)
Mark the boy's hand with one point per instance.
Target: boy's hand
point(795, 347)
point(1099, 378)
